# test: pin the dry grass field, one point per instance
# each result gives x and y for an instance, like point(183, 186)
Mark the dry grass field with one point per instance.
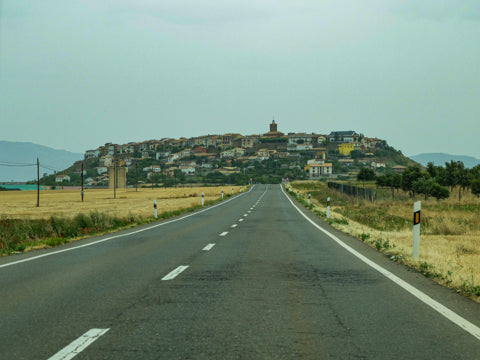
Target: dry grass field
point(450, 232)
point(67, 203)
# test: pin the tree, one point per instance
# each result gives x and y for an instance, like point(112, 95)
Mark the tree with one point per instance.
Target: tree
point(439, 192)
point(475, 186)
point(423, 186)
point(409, 176)
point(366, 174)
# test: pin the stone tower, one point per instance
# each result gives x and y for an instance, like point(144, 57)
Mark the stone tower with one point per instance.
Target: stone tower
point(273, 126)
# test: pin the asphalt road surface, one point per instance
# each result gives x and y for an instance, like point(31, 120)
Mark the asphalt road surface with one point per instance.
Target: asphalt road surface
point(250, 278)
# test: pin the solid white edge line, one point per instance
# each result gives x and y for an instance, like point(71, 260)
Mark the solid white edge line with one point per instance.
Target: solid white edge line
point(174, 273)
point(208, 247)
point(443, 310)
point(78, 345)
point(122, 235)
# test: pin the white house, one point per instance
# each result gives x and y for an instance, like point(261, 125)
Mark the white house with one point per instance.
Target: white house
point(62, 178)
point(92, 154)
point(188, 169)
point(106, 160)
point(318, 170)
point(102, 170)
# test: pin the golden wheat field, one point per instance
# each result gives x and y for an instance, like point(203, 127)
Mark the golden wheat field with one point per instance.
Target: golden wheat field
point(23, 204)
point(449, 242)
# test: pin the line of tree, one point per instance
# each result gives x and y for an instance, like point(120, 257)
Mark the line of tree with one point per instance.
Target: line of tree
point(434, 180)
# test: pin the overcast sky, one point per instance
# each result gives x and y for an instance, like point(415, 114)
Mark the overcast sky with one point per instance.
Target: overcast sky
point(79, 73)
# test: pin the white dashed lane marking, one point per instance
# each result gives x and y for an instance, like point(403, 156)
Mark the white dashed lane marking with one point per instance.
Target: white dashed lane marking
point(173, 274)
point(78, 345)
point(208, 247)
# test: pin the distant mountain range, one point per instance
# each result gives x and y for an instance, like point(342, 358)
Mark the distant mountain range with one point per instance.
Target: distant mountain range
point(18, 160)
point(440, 159)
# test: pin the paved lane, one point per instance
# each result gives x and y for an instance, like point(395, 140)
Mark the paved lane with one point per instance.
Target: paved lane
point(259, 282)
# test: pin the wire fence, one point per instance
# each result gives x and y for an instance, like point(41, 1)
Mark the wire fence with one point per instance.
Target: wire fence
point(355, 191)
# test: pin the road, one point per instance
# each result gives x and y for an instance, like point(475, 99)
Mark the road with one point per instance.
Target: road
point(250, 278)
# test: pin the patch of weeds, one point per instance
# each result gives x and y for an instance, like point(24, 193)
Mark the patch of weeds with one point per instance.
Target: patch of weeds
point(56, 241)
point(428, 270)
point(470, 289)
point(364, 236)
point(342, 221)
point(382, 244)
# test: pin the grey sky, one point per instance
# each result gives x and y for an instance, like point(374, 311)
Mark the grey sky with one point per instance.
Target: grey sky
point(79, 73)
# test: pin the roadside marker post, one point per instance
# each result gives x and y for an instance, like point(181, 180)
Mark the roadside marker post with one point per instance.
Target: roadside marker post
point(416, 229)
point(233, 192)
point(328, 208)
point(298, 194)
point(203, 199)
point(222, 194)
point(309, 195)
point(155, 209)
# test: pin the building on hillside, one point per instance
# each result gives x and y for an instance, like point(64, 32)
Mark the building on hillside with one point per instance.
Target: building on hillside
point(302, 138)
point(321, 155)
point(250, 141)
point(106, 160)
point(347, 162)
point(188, 168)
point(345, 148)
point(343, 136)
point(319, 170)
point(62, 178)
point(399, 169)
point(273, 133)
point(102, 170)
point(92, 154)
point(378, 164)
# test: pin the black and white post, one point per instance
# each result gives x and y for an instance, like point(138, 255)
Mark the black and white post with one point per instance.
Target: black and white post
point(203, 199)
point(416, 229)
point(155, 209)
point(328, 207)
point(222, 194)
point(309, 196)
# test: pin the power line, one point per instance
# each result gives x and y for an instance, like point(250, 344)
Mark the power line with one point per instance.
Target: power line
point(19, 164)
point(10, 163)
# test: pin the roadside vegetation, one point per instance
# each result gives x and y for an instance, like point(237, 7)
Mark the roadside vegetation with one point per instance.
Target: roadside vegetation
point(450, 227)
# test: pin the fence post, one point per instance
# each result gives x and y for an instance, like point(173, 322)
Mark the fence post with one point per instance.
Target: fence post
point(328, 208)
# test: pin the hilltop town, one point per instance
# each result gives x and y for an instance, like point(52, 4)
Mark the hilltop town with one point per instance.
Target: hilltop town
point(234, 159)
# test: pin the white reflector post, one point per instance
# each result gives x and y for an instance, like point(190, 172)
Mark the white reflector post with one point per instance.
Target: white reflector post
point(416, 230)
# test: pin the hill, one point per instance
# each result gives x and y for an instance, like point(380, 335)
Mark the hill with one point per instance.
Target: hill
point(441, 158)
point(18, 160)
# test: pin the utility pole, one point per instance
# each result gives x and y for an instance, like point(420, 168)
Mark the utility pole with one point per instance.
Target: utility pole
point(136, 176)
point(114, 179)
point(38, 182)
point(81, 193)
